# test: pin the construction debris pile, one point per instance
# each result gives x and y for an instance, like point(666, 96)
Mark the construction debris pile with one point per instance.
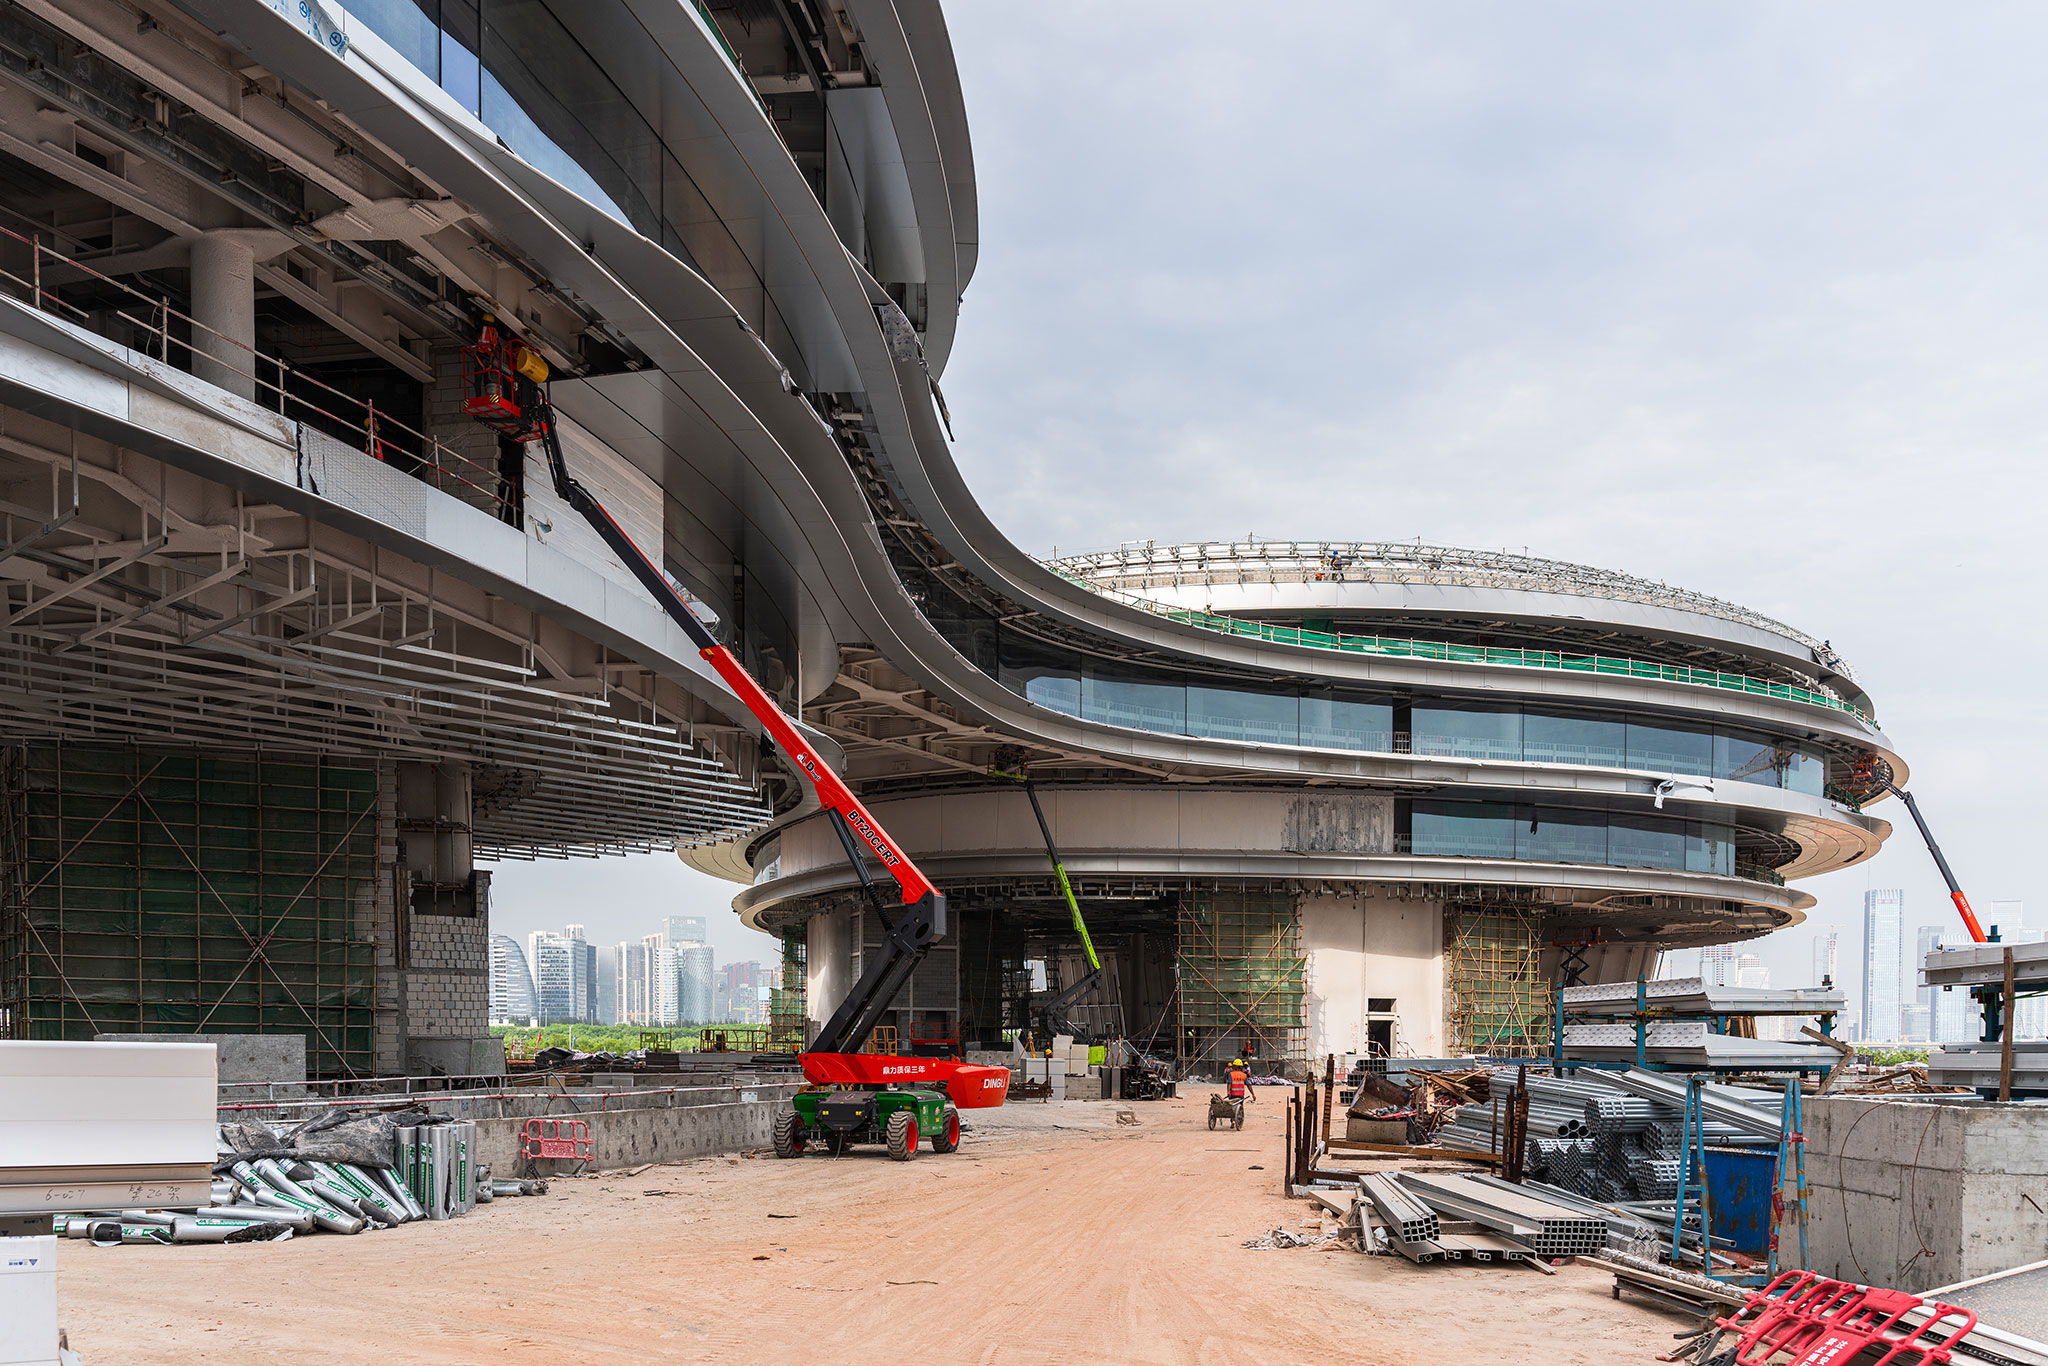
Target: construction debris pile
point(1616, 1137)
point(339, 1173)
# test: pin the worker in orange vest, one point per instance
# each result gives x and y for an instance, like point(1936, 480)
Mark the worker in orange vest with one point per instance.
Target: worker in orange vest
point(1240, 1081)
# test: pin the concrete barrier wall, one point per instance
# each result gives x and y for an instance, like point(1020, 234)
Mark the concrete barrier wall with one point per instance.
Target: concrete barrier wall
point(1914, 1195)
point(627, 1138)
point(626, 1127)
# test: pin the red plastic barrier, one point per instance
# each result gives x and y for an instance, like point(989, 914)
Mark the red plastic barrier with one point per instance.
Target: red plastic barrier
point(568, 1139)
point(1801, 1319)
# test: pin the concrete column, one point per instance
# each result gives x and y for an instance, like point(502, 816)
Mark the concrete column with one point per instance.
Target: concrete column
point(831, 963)
point(224, 300)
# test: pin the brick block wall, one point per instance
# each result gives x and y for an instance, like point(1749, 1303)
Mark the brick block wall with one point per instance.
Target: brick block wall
point(448, 989)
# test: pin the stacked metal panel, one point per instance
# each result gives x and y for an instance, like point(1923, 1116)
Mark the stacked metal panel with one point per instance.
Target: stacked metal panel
point(1690, 1044)
point(1694, 996)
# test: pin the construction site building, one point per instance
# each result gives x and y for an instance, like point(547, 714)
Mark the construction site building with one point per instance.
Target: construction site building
point(291, 643)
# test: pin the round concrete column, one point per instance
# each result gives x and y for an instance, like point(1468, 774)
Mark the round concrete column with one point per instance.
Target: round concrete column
point(224, 301)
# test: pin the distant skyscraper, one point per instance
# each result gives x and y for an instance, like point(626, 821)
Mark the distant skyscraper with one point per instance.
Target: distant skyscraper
point(745, 986)
point(1913, 1023)
point(1951, 1015)
point(1750, 972)
point(1827, 944)
point(664, 984)
point(607, 978)
point(511, 983)
point(1717, 965)
point(695, 997)
point(1884, 914)
point(561, 977)
point(2030, 1014)
point(632, 983)
point(684, 929)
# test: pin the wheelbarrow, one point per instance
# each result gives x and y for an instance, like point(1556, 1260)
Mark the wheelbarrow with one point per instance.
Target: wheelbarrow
point(1224, 1109)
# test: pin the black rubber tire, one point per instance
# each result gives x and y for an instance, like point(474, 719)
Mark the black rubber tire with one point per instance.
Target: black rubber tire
point(903, 1135)
point(1212, 1124)
point(789, 1134)
point(1237, 1120)
point(947, 1139)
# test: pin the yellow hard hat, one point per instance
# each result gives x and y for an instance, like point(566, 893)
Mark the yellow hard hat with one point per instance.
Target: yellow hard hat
point(1237, 1062)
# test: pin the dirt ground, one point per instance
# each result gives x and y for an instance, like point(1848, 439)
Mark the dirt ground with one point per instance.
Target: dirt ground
point(1053, 1235)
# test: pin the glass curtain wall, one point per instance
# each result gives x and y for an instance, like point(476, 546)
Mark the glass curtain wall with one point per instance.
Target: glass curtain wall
point(527, 77)
point(1542, 834)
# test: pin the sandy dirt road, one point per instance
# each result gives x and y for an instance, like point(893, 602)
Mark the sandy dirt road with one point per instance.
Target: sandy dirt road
point(1054, 1235)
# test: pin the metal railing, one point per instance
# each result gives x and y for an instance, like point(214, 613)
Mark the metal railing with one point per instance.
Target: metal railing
point(1144, 564)
point(320, 405)
point(1447, 652)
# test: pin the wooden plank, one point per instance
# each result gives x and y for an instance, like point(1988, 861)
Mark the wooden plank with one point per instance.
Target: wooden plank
point(1340, 1146)
point(1335, 1202)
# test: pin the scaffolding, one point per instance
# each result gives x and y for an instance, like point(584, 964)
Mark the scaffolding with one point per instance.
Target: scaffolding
point(1496, 998)
point(1242, 979)
point(189, 893)
point(787, 1000)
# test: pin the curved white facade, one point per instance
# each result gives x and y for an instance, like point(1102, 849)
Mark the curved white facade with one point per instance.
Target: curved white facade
point(742, 248)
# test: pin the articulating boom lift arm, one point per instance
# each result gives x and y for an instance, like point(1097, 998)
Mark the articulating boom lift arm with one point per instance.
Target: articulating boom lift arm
point(923, 922)
point(507, 395)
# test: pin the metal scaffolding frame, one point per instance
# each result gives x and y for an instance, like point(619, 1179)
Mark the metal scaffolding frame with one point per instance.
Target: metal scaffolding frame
point(1137, 565)
point(1496, 999)
point(1243, 978)
point(788, 999)
point(169, 892)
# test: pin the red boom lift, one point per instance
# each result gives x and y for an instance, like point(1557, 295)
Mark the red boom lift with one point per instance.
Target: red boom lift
point(506, 391)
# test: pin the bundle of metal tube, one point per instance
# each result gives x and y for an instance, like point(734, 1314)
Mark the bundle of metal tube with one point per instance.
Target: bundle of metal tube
point(1610, 1136)
point(268, 1198)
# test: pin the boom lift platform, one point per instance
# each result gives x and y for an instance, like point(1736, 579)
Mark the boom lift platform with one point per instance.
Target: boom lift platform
point(856, 1096)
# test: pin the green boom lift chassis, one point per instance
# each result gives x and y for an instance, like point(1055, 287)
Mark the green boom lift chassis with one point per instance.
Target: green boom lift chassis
point(902, 1117)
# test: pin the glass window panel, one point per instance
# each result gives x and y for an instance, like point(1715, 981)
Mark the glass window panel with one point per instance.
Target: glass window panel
point(1709, 848)
point(503, 115)
point(1343, 723)
point(1123, 697)
point(1645, 842)
point(401, 24)
point(570, 113)
point(1228, 714)
point(1041, 673)
point(1569, 739)
point(967, 628)
point(461, 74)
point(1463, 830)
point(1670, 749)
point(1560, 835)
point(1466, 732)
point(1747, 757)
point(1806, 772)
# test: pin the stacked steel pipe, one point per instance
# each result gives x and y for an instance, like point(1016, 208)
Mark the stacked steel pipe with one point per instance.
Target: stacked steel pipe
point(1612, 1136)
point(264, 1199)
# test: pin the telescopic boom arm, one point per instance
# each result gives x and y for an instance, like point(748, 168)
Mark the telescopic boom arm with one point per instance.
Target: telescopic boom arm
point(1955, 890)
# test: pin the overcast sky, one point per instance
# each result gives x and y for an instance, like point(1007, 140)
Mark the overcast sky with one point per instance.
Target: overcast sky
point(1745, 297)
